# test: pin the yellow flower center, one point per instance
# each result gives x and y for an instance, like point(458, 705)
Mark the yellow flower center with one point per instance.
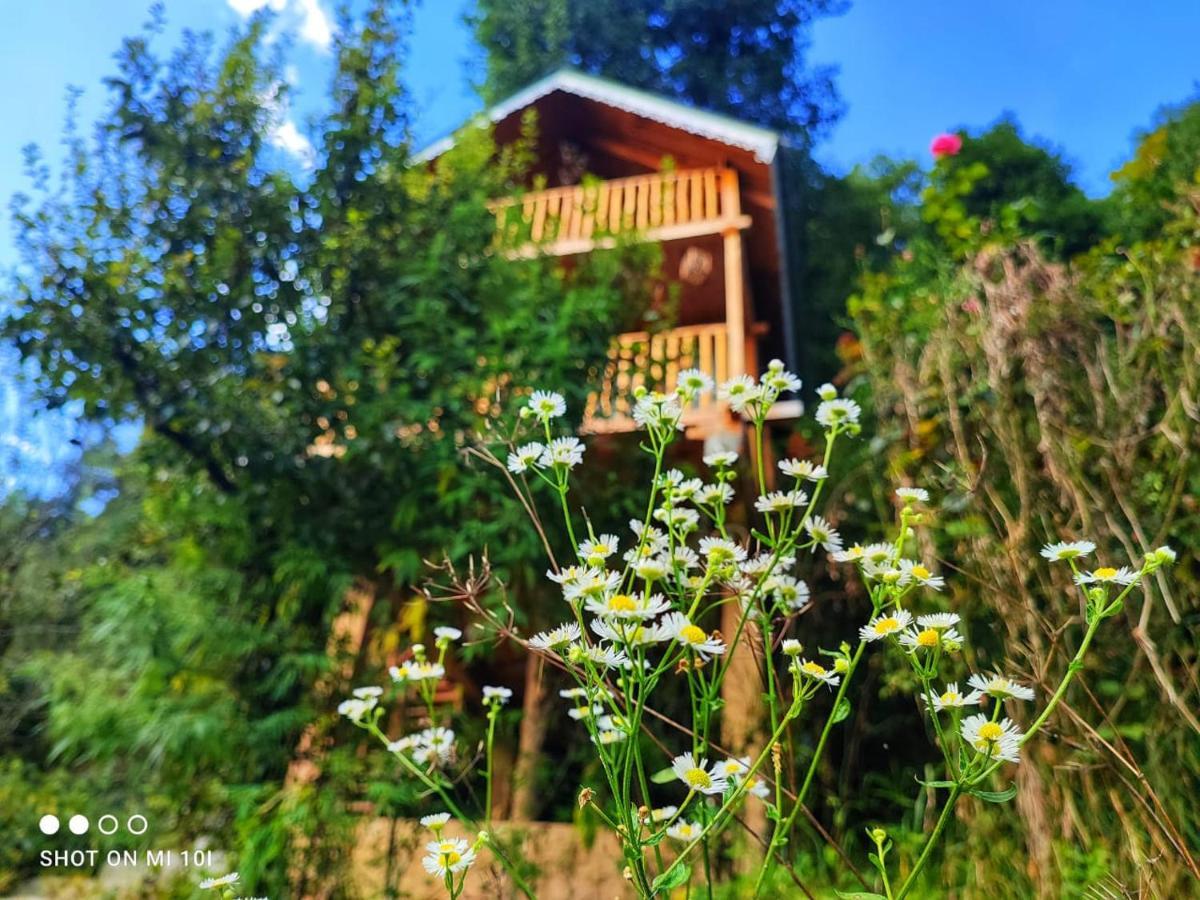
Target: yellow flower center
point(450, 858)
point(856, 552)
point(1105, 572)
point(691, 634)
point(887, 625)
point(622, 603)
point(949, 698)
point(697, 778)
point(990, 732)
point(928, 638)
point(920, 572)
point(812, 668)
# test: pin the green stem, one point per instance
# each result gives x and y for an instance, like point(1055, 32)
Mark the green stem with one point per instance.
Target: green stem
point(491, 736)
point(942, 821)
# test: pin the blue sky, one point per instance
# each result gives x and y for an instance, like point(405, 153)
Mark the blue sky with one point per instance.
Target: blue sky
point(1081, 76)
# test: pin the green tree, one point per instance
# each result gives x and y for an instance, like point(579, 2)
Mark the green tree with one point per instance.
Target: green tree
point(744, 58)
point(310, 353)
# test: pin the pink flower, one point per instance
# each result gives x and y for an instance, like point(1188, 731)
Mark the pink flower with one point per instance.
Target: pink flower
point(947, 144)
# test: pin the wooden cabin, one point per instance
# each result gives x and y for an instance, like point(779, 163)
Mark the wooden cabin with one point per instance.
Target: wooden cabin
point(614, 163)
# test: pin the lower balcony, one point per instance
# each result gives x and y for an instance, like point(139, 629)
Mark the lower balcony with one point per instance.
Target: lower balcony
point(653, 360)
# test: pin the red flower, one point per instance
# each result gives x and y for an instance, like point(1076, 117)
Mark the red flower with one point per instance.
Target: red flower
point(945, 145)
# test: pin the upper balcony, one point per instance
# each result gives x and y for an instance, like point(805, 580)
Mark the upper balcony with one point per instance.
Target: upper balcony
point(661, 206)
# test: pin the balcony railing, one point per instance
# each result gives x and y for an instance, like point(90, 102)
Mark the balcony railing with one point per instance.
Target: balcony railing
point(657, 207)
point(654, 360)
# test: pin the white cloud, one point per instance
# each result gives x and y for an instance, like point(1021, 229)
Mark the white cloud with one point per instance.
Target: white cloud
point(315, 26)
point(308, 16)
point(288, 138)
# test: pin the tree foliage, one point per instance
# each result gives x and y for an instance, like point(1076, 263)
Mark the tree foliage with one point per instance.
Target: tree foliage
point(743, 58)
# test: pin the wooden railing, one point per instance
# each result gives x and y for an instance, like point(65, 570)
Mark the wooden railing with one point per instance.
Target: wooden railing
point(654, 360)
point(660, 206)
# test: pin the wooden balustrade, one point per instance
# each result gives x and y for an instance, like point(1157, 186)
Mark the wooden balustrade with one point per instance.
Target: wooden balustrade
point(653, 361)
point(659, 206)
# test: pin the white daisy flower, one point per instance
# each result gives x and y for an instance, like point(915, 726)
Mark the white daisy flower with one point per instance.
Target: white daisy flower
point(779, 380)
point(556, 638)
point(224, 881)
point(803, 468)
point(685, 831)
point(657, 411)
point(609, 736)
point(591, 583)
point(626, 606)
point(402, 745)
point(740, 392)
point(693, 381)
point(579, 713)
point(434, 746)
point(953, 698)
point(720, 459)
point(838, 412)
point(684, 558)
point(792, 593)
point(1108, 575)
point(780, 501)
point(714, 494)
point(827, 391)
point(697, 776)
point(938, 620)
point(500, 695)
point(855, 553)
point(823, 533)
point(435, 822)
point(817, 672)
point(654, 569)
point(1000, 687)
point(426, 671)
point(547, 405)
point(759, 789)
point(996, 740)
point(595, 551)
point(574, 693)
point(792, 647)
point(450, 855)
point(692, 636)
point(884, 624)
point(1067, 550)
point(356, 710)
point(930, 639)
point(599, 655)
point(734, 768)
point(525, 457)
point(365, 693)
point(915, 573)
point(446, 633)
point(913, 495)
point(563, 451)
point(632, 633)
point(718, 551)
point(663, 813)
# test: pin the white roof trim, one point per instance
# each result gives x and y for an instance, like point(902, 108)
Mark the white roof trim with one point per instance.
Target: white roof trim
point(762, 142)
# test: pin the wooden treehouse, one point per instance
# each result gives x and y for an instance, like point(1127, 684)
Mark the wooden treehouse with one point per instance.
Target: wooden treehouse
point(614, 164)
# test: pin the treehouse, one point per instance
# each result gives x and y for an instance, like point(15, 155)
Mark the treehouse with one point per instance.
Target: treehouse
point(612, 164)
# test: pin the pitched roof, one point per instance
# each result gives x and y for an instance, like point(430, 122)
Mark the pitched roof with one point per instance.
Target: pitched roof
point(762, 142)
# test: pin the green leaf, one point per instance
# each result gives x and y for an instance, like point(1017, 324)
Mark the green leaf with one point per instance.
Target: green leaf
point(842, 711)
point(663, 776)
point(936, 784)
point(996, 796)
point(672, 878)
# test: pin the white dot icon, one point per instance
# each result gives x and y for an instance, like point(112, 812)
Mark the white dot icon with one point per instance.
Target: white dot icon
point(48, 824)
point(78, 824)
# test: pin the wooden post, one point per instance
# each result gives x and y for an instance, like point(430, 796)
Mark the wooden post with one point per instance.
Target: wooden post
point(735, 274)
